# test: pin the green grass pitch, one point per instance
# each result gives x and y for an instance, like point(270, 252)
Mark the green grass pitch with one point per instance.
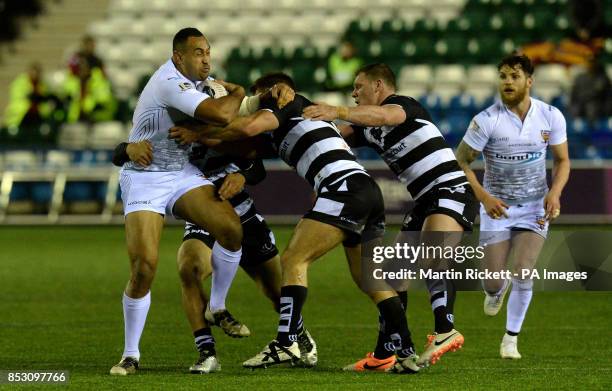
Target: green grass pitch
point(60, 308)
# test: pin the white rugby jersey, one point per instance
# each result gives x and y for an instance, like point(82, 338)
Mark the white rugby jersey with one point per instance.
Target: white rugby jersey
point(167, 98)
point(514, 151)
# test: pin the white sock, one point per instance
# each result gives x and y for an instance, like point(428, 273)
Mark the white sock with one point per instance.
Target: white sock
point(518, 303)
point(134, 317)
point(225, 264)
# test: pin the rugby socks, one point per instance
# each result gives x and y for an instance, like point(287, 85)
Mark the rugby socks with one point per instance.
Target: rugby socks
point(134, 318)
point(225, 264)
point(396, 326)
point(204, 340)
point(291, 302)
point(384, 346)
point(439, 300)
point(403, 295)
point(518, 303)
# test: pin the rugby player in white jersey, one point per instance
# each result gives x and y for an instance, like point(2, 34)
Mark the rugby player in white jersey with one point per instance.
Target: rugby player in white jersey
point(517, 204)
point(172, 185)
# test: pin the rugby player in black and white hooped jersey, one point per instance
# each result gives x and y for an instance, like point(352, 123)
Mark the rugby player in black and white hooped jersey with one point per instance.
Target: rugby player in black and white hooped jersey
point(348, 210)
point(517, 205)
point(401, 131)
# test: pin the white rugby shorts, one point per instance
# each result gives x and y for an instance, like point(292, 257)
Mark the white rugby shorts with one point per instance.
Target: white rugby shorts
point(525, 216)
point(157, 191)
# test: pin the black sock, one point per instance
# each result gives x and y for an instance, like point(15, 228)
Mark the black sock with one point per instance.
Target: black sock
point(511, 333)
point(291, 302)
point(451, 295)
point(204, 340)
point(403, 295)
point(396, 326)
point(384, 346)
point(439, 299)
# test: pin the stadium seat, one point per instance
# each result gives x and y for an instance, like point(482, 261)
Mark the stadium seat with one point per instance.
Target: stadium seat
point(332, 98)
point(453, 75)
point(490, 48)
point(124, 82)
point(551, 75)
point(73, 136)
point(560, 101)
point(57, 159)
point(433, 104)
point(481, 93)
point(106, 135)
point(457, 49)
point(20, 160)
point(545, 92)
point(482, 75)
point(416, 77)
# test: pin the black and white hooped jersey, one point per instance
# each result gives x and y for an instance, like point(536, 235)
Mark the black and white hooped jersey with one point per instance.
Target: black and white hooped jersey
point(315, 149)
point(414, 150)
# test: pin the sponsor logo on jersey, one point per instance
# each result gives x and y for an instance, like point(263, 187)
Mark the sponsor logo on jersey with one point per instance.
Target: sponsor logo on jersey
point(395, 150)
point(523, 157)
point(473, 126)
point(185, 86)
point(494, 140)
point(545, 135)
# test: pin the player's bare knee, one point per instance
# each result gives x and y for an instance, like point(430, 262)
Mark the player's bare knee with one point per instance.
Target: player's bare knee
point(191, 265)
point(229, 235)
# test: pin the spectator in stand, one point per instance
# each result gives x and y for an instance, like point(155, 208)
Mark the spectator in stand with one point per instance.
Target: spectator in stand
point(88, 94)
point(30, 103)
point(341, 67)
point(591, 95)
point(585, 42)
point(87, 51)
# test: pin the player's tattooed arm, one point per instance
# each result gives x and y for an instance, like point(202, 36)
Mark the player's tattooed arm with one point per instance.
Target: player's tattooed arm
point(494, 206)
point(365, 115)
point(240, 128)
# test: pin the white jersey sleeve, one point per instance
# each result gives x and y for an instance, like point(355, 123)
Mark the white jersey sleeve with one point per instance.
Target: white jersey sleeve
point(558, 134)
point(181, 95)
point(477, 134)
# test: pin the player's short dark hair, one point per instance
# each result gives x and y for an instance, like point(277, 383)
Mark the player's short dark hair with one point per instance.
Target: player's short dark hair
point(379, 71)
point(181, 37)
point(269, 80)
point(515, 59)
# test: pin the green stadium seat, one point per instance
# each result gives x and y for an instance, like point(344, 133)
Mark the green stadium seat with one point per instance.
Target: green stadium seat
point(512, 19)
point(457, 49)
point(272, 59)
point(479, 19)
point(490, 48)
